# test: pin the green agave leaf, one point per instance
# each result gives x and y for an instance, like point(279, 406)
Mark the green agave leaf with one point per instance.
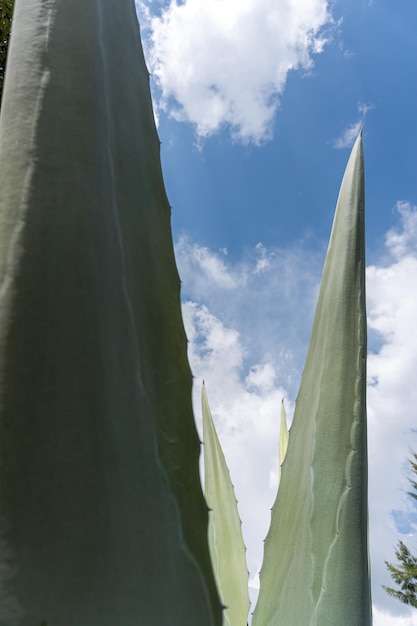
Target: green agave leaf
point(315, 570)
point(227, 548)
point(283, 435)
point(103, 520)
point(283, 440)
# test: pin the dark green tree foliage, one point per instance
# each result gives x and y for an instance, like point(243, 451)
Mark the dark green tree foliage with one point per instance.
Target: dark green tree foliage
point(6, 11)
point(413, 463)
point(405, 573)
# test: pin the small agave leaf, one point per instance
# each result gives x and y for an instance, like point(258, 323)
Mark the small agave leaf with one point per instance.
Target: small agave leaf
point(283, 435)
point(102, 516)
point(315, 570)
point(283, 438)
point(226, 544)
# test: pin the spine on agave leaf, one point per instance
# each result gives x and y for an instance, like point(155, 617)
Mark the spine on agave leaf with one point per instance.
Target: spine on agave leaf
point(315, 570)
point(227, 548)
point(102, 518)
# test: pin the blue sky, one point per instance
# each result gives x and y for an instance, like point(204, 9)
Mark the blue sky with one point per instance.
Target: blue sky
point(258, 103)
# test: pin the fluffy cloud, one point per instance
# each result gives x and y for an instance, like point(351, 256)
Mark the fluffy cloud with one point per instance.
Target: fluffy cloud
point(348, 136)
point(211, 267)
point(241, 326)
point(225, 62)
point(385, 619)
point(392, 392)
point(258, 295)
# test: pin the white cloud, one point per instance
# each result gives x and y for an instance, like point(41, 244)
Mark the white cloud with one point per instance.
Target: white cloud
point(348, 136)
point(261, 377)
point(385, 619)
point(392, 394)
point(364, 108)
point(211, 265)
point(402, 241)
point(263, 262)
point(249, 343)
point(225, 62)
point(260, 296)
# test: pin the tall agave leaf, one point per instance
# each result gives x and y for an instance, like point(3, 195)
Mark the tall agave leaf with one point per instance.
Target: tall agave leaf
point(227, 549)
point(102, 518)
point(315, 569)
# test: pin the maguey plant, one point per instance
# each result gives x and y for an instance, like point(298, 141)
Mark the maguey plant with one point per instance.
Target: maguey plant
point(102, 517)
point(315, 570)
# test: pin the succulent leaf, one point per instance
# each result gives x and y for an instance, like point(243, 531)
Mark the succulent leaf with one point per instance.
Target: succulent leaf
point(226, 544)
point(103, 520)
point(283, 435)
point(315, 570)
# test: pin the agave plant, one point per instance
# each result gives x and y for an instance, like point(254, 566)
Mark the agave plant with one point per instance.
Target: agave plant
point(316, 566)
point(102, 517)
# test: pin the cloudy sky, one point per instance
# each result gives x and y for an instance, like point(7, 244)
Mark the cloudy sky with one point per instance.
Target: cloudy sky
point(258, 103)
